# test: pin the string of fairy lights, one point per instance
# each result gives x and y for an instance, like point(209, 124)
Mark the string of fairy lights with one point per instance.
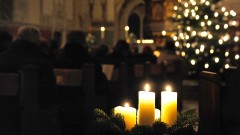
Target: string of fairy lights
point(206, 35)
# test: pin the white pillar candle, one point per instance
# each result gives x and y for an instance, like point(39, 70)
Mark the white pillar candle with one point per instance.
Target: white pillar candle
point(168, 106)
point(146, 107)
point(102, 32)
point(126, 32)
point(129, 114)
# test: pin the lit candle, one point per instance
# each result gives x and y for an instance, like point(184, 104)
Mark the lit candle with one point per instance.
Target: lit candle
point(126, 32)
point(129, 114)
point(146, 107)
point(102, 32)
point(157, 114)
point(168, 106)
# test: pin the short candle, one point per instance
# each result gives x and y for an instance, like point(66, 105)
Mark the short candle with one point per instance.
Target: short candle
point(168, 106)
point(129, 114)
point(146, 107)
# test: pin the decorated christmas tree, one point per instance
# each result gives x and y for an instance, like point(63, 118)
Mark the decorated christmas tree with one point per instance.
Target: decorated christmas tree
point(206, 35)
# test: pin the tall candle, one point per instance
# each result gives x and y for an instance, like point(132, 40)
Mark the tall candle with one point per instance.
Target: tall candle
point(129, 114)
point(126, 31)
point(146, 107)
point(168, 106)
point(157, 115)
point(102, 32)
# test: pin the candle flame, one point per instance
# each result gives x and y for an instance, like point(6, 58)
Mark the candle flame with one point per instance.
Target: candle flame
point(126, 105)
point(168, 88)
point(147, 87)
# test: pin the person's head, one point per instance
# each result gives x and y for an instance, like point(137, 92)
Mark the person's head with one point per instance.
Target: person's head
point(147, 50)
point(122, 48)
point(5, 37)
point(170, 45)
point(76, 37)
point(102, 50)
point(29, 33)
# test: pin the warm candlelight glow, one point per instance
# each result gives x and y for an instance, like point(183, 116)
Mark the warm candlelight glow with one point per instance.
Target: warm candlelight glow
point(126, 28)
point(126, 104)
point(102, 28)
point(147, 87)
point(168, 88)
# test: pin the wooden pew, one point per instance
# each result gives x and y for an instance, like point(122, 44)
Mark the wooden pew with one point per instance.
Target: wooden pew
point(20, 112)
point(76, 91)
point(209, 103)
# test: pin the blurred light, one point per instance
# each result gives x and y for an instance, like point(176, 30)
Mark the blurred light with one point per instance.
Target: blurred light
point(236, 56)
point(216, 14)
point(226, 54)
point(207, 3)
point(156, 53)
point(202, 24)
point(206, 65)
point(183, 54)
point(220, 41)
point(234, 23)
point(177, 44)
point(233, 13)
point(216, 60)
point(209, 23)
point(197, 51)
point(223, 9)
point(102, 28)
point(211, 51)
point(225, 26)
point(226, 13)
point(196, 8)
point(193, 62)
point(187, 37)
point(194, 3)
point(188, 28)
point(188, 45)
point(206, 17)
point(202, 1)
point(126, 28)
point(185, 4)
point(175, 8)
point(202, 47)
point(179, 16)
point(217, 27)
point(197, 17)
point(210, 36)
point(236, 38)
point(147, 41)
point(194, 33)
point(164, 33)
point(227, 66)
point(204, 34)
point(175, 38)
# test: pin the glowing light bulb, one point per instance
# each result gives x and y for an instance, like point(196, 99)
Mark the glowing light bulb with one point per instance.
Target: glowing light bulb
point(175, 38)
point(202, 24)
point(216, 14)
point(234, 23)
point(233, 13)
point(188, 28)
point(202, 1)
point(207, 3)
point(186, 5)
point(194, 3)
point(126, 105)
point(188, 45)
point(197, 51)
point(196, 8)
point(179, 16)
point(204, 34)
point(210, 36)
point(217, 27)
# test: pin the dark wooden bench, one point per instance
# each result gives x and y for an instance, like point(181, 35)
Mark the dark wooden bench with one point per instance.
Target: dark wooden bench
point(20, 112)
point(76, 92)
